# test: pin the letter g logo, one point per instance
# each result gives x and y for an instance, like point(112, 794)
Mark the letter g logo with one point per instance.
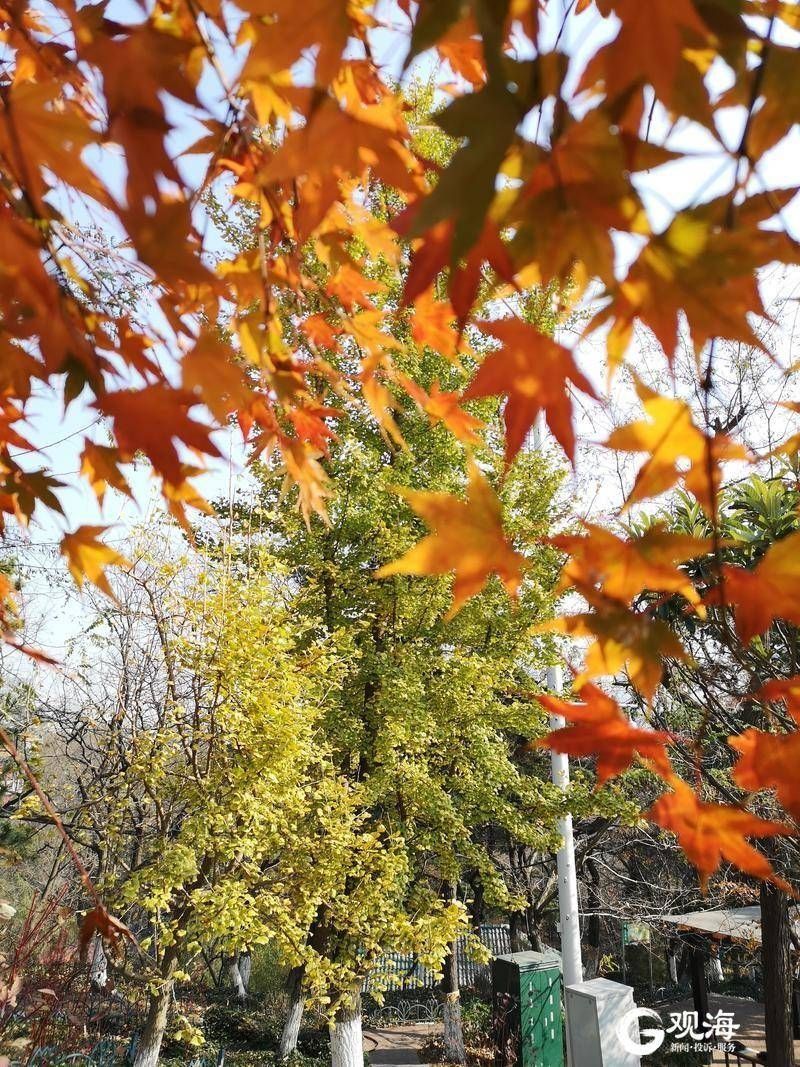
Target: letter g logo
point(640, 1044)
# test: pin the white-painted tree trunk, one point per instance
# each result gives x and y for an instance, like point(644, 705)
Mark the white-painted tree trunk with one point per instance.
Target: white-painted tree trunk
point(294, 1014)
point(98, 973)
point(155, 1025)
point(568, 904)
point(451, 1009)
point(672, 959)
point(149, 1046)
point(236, 978)
point(347, 1042)
point(245, 968)
point(453, 1034)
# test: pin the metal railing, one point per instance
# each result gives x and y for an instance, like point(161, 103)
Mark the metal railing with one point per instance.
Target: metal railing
point(105, 1054)
point(739, 1055)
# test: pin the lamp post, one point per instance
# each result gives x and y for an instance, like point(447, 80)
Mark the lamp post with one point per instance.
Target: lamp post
point(571, 959)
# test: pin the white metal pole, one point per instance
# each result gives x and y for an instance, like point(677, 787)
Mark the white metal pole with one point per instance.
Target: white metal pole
point(571, 958)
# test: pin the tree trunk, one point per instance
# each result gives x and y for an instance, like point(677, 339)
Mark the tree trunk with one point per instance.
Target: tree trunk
point(98, 973)
point(453, 1029)
point(155, 1026)
point(777, 970)
point(294, 1013)
point(673, 952)
point(476, 907)
point(245, 968)
point(347, 1043)
point(515, 931)
point(236, 978)
point(592, 944)
point(715, 974)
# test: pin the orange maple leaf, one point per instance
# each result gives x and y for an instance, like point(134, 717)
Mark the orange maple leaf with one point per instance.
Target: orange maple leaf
point(301, 463)
point(320, 332)
point(769, 761)
point(444, 407)
point(335, 145)
point(433, 255)
point(100, 466)
point(671, 438)
point(286, 30)
point(625, 567)
point(577, 193)
point(44, 131)
point(87, 557)
point(150, 420)
point(648, 46)
point(777, 115)
point(352, 288)
point(711, 833)
point(786, 690)
point(791, 446)
point(432, 325)
point(698, 269)
point(184, 495)
point(210, 370)
point(462, 48)
point(601, 727)
point(533, 371)
point(101, 922)
point(771, 590)
point(622, 638)
point(467, 538)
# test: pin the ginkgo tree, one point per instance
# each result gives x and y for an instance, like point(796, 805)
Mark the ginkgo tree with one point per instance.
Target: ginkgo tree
point(556, 146)
point(435, 702)
point(433, 707)
point(211, 806)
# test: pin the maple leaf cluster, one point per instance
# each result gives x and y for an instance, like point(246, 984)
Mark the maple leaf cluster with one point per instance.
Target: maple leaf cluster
point(279, 337)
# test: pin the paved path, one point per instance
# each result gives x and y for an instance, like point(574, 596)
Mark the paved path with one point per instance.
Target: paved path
point(749, 1014)
point(399, 1045)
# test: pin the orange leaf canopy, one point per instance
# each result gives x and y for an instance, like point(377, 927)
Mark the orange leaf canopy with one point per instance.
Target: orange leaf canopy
point(467, 537)
point(711, 833)
point(601, 727)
